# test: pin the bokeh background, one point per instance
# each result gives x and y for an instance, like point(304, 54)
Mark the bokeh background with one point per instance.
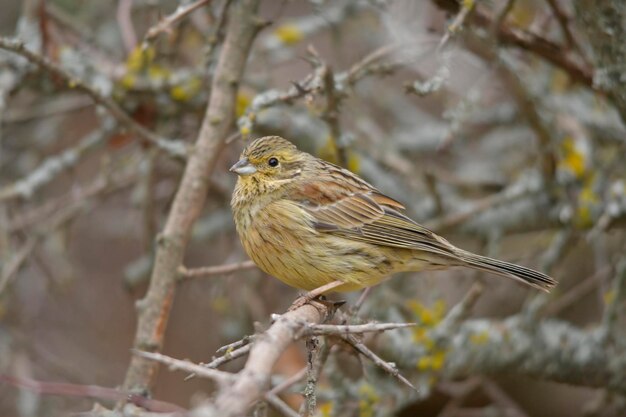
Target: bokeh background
point(508, 149)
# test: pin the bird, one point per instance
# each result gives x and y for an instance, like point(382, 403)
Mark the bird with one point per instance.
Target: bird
point(310, 223)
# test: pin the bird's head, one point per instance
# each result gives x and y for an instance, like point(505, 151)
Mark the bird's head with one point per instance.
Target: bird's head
point(269, 163)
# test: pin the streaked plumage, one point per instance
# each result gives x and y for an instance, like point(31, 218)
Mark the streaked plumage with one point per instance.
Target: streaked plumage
point(308, 222)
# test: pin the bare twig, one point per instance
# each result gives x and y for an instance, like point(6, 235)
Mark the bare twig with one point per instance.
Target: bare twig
point(331, 116)
point(54, 165)
point(11, 268)
point(388, 367)
point(253, 380)
point(457, 23)
point(216, 34)
point(230, 355)
point(500, 397)
point(577, 292)
point(337, 329)
point(563, 19)
point(246, 340)
point(462, 309)
point(544, 48)
point(125, 23)
point(108, 182)
point(154, 309)
point(172, 147)
point(208, 271)
point(501, 16)
point(166, 22)
point(614, 303)
point(287, 383)
point(279, 405)
point(89, 391)
point(179, 365)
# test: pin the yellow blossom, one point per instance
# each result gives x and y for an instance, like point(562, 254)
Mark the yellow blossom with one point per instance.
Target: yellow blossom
point(289, 34)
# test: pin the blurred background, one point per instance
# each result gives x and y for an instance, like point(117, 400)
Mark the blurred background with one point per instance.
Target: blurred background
point(495, 123)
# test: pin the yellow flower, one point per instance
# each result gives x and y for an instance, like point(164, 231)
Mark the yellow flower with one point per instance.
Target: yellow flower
point(289, 34)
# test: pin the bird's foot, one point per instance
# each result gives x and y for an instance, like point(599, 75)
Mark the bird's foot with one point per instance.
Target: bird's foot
point(304, 299)
point(316, 294)
point(320, 300)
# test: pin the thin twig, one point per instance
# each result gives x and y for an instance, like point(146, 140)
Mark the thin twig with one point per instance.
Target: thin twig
point(279, 405)
point(52, 166)
point(615, 298)
point(208, 271)
point(11, 268)
point(229, 356)
point(331, 116)
point(125, 23)
point(544, 48)
point(563, 19)
point(172, 147)
point(501, 16)
point(338, 329)
point(165, 23)
point(388, 367)
point(287, 383)
point(180, 365)
point(463, 308)
point(577, 292)
point(457, 23)
point(89, 391)
point(500, 397)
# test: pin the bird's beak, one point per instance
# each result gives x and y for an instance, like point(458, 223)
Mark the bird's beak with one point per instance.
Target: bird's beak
point(243, 167)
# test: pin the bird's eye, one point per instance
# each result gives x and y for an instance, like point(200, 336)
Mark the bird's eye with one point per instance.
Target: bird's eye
point(273, 162)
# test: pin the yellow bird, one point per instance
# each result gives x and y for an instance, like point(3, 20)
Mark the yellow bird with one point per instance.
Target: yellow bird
point(309, 223)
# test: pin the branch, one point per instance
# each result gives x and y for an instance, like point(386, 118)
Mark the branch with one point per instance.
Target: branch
point(546, 49)
point(88, 391)
point(155, 308)
point(337, 329)
point(253, 380)
point(180, 365)
point(179, 14)
point(216, 270)
point(54, 165)
point(174, 148)
point(603, 23)
point(548, 349)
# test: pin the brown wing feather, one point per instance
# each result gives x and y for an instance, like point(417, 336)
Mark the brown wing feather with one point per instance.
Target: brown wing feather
point(360, 212)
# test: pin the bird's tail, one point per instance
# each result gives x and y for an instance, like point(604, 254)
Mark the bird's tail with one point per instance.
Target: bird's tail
point(528, 276)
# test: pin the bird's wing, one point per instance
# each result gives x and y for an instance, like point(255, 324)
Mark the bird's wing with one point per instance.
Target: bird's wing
point(364, 214)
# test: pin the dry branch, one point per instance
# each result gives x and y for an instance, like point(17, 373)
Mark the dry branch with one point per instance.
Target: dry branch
point(155, 308)
point(253, 381)
point(216, 270)
point(165, 23)
point(52, 166)
point(174, 148)
point(182, 365)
